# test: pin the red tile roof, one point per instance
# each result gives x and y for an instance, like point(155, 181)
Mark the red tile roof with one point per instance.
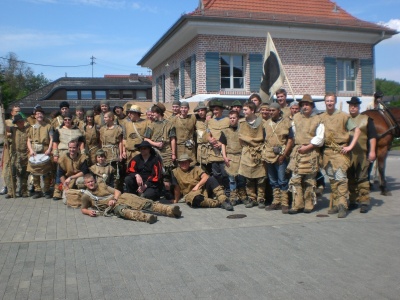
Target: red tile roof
point(323, 12)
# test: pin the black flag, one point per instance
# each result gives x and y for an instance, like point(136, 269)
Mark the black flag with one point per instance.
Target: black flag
point(273, 74)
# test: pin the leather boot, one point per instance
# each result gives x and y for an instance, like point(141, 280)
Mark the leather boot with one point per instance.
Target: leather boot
point(137, 215)
point(167, 210)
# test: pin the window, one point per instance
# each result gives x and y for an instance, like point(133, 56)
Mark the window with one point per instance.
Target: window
point(346, 75)
point(99, 95)
point(127, 94)
point(141, 95)
point(232, 71)
point(114, 94)
point(72, 95)
point(86, 95)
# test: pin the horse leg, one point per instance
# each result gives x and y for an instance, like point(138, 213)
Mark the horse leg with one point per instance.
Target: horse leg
point(381, 167)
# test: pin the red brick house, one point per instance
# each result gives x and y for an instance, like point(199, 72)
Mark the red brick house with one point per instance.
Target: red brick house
point(218, 49)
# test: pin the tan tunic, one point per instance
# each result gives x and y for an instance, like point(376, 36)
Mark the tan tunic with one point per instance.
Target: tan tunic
point(102, 173)
point(134, 134)
point(233, 150)
point(40, 139)
point(306, 129)
point(359, 152)
point(252, 140)
point(202, 157)
point(110, 138)
point(66, 135)
point(71, 166)
point(92, 137)
point(185, 128)
point(19, 147)
point(187, 180)
point(213, 129)
point(276, 136)
point(162, 131)
point(336, 137)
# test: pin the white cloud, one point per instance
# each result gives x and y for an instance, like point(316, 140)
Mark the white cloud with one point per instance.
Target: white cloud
point(17, 39)
point(392, 24)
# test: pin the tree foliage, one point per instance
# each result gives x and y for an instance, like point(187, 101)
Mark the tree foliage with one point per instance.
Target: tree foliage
point(17, 79)
point(388, 87)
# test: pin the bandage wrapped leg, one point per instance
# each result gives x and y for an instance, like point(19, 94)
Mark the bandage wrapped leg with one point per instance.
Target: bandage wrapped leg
point(126, 212)
point(167, 210)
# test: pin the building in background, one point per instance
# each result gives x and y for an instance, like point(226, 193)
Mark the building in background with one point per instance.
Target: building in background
point(217, 50)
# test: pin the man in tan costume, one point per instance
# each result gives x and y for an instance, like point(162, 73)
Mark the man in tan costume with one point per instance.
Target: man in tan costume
point(201, 113)
point(336, 155)
point(161, 135)
point(278, 145)
point(134, 130)
point(251, 136)
point(40, 141)
point(304, 162)
point(214, 127)
point(362, 155)
point(92, 137)
point(196, 186)
point(185, 126)
point(231, 151)
point(71, 168)
point(19, 157)
point(100, 198)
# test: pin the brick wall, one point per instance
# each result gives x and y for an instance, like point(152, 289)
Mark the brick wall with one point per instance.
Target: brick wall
point(303, 61)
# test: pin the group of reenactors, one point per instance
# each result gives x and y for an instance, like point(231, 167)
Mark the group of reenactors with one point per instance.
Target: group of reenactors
point(206, 159)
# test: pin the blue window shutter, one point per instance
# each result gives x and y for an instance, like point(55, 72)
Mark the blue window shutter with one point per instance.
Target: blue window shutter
point(330, 74)
point(256, 64)
point(157, 89)
point(176, 94)
point(367, 76)
point(163, 87)
point(213, 77)
point(182, 78)
point(193, 73)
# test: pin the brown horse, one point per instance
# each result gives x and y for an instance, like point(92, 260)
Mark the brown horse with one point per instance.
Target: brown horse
point(387, 124)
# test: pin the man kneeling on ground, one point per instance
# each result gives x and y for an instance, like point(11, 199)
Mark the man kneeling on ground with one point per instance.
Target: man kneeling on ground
point(197, 186)
point(102, 198)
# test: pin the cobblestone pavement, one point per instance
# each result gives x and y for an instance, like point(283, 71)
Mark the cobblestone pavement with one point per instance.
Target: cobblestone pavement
point(49, 251)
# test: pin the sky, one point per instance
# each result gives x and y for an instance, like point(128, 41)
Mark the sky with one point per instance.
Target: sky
point(65, 34)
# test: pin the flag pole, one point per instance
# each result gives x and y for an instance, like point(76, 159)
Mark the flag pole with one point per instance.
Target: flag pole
point(288, 82)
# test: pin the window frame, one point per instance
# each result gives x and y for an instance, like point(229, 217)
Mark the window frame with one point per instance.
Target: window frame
point(344, 77)
point(232, 76)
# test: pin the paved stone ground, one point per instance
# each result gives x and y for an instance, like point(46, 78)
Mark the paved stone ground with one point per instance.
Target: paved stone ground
point(49, 251)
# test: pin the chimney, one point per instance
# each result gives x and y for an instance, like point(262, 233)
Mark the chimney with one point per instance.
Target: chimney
point(133, 77)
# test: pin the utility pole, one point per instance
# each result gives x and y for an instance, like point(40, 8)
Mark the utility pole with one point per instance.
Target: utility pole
point(92, 63)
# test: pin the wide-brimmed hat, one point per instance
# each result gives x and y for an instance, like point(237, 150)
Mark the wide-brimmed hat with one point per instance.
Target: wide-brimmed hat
point(200, 105)
point(306, 98)
point(176, 102)
point(160, 106)
point(354, 100)
point(101, 152)
point(64, 104)
point(117, 106)
point(236, 103)
point(143, 144)
point(89, 113)
point(216, 103)
point(17, 118)
point(275, 105)
point(185, 104)
point(134, 108)
point(184, 157)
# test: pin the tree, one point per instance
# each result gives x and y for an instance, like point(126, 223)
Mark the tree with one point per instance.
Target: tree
point(387, 87)
point(18, 80)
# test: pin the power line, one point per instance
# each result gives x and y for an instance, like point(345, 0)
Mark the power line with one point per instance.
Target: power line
point(43, 65)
